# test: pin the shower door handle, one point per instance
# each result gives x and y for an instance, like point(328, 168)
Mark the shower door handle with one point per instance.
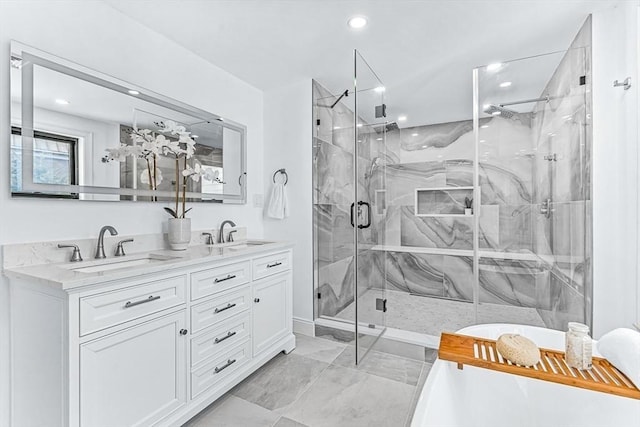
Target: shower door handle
point(351, 213)
point(361, 203)
point(368, 224)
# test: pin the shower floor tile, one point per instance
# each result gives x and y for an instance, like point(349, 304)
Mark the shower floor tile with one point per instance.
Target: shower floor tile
point(431, 316)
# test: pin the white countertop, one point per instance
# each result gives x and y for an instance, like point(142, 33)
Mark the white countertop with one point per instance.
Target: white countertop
point(63, 276)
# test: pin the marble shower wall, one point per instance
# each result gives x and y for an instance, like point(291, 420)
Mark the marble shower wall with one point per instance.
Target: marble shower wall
point(439, 156)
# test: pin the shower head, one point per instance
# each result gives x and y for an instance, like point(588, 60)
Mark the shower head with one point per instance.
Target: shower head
point(499, 110)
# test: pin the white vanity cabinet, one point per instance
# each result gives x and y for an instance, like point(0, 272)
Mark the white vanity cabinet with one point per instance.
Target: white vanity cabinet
point(153, 348)
point(270, 321)
point(140, 371)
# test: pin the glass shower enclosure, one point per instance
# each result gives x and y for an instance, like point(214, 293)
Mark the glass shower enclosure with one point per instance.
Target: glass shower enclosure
point(432, 227)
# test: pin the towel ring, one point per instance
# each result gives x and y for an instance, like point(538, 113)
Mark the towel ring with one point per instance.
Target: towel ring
point(282, 171)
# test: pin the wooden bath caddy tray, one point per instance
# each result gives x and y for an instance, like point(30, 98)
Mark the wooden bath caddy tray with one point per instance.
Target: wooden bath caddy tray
point(480, 352)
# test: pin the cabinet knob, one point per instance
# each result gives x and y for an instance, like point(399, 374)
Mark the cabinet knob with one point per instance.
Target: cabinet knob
point(183, 332)
point(256, 300)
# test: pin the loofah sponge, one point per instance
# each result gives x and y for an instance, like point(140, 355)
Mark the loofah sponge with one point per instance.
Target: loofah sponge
point(518, 349)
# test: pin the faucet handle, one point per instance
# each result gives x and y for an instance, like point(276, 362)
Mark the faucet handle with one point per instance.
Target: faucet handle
point(75, 257)
point(120, 248)
point(209, 239)
point(230, 237)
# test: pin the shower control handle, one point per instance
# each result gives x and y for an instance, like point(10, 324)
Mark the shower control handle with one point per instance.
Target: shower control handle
point(545, 208)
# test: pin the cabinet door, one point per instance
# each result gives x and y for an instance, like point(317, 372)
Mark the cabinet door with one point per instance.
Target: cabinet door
point(136, 376)
point(270, 311)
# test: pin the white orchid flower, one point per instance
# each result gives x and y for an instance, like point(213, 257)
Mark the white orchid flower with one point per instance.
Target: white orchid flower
point(194, 172)
point(135, 151)
point(144, 177)
point(168, 126)
point(118, 154)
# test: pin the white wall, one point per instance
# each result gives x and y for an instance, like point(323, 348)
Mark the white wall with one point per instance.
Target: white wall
point(615, 168)
point(97, 36)
point(288, 134)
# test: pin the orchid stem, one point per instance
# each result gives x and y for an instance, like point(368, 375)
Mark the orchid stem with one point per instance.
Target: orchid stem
point(184, 190)
point(177, 185)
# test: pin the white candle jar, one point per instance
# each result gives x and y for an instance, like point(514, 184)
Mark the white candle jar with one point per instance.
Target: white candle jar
point(578, 346)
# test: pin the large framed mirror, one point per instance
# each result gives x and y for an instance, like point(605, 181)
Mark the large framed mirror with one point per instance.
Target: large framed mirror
point(67, 121)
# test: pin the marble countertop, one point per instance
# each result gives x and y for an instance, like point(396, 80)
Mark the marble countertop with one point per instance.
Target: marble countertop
point(64, 275)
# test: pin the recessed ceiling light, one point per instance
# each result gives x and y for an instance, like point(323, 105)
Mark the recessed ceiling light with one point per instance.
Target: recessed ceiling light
point(505, 84)
point(484, 126)
point(414, 134)
point(133, 92)
point(359, 125)
point(494, 67)
point(378, 139)
point(402, 118)
point(336, 127)
point(380, 89)
point(357, 22)
point(62, 102)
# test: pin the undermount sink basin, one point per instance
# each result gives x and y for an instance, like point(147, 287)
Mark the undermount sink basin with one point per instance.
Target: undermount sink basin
point(244, 245)
point(116, 263)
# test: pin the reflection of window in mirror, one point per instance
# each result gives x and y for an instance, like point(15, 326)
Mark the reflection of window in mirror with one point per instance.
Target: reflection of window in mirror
point(54, 160)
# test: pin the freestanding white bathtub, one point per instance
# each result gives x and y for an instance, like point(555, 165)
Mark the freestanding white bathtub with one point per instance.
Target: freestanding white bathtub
point(476, 397)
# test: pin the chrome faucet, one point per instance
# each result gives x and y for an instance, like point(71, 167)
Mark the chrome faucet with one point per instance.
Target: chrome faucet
point(100, 249)
point(221, 231)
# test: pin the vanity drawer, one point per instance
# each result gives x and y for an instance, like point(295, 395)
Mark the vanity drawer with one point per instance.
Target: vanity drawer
point(271, 264)
point(219, 368)
point(112, 308)
point(221, 337)
point(218, 279)
point(220, 308)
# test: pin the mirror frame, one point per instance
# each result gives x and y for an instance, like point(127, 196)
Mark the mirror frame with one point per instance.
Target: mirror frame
point(30, 56)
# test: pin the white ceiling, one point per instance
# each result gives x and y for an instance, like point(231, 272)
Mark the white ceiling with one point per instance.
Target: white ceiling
point(423, 51)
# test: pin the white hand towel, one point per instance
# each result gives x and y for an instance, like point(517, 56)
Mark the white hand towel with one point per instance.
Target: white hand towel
point(278, 207)
point(621, 347)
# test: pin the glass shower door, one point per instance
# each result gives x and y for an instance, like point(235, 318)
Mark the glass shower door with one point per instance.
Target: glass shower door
point(534, 196)
point(368, 210)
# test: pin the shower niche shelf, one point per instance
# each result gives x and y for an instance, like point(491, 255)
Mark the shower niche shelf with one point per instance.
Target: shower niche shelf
point(442, 201)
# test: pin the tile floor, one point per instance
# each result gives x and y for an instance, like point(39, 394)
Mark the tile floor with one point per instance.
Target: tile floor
point(318, 385)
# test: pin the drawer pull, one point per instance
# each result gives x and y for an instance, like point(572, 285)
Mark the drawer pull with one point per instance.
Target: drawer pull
point(229, 335)
point(275, 264)
point(229, 277)
point(142, 301)
point(225, 366)
point(218, 310)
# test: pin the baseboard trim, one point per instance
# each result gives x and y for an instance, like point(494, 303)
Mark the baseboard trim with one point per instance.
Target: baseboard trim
point(304, 327)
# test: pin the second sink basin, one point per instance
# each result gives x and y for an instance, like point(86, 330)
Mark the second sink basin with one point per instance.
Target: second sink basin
point(116, 263)
point(247, 244)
